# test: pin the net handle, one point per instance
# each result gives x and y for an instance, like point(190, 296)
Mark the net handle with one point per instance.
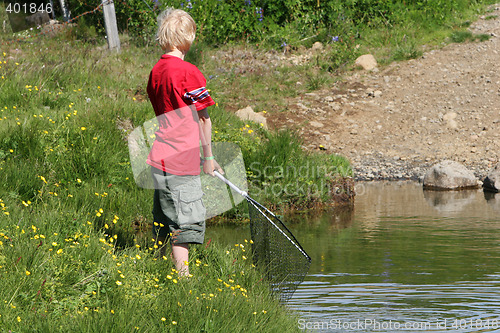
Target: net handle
point(231, 185)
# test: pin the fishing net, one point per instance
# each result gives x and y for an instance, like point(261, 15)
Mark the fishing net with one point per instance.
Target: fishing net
point(276, 251)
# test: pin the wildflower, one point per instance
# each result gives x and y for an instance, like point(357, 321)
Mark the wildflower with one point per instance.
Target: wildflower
point(28, 273)
point(174, 322)
point(83, 128)
point(18, 319)
point(119, 283)
point(169, 277)
point(59, 251)
point(174, 280)
point(112, 311)
point(335, 38)
point(163, 319)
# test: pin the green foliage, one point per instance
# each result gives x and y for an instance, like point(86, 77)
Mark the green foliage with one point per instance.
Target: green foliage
point(275, 22)
point(467, 36)
point(406, 50)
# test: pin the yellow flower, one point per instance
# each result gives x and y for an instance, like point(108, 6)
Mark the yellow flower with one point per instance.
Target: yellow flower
point(59, 251)
point(119, 283)
point(18, 319)
point(174, 322)
point(169, 277)
point(112, 311)
point(28, 273)
point(174, 281)
point(54, 244)
point(163, 319)
point(83, 128)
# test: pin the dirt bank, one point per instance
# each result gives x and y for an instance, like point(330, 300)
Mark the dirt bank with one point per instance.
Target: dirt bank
point(396, 122)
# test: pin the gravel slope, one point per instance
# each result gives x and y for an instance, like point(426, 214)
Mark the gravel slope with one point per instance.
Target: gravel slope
point(396, 122)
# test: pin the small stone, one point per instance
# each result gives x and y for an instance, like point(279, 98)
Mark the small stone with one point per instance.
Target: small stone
point(367, 62)
point(316, 124)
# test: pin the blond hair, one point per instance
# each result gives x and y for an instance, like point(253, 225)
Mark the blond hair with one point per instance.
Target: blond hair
point(176, 29)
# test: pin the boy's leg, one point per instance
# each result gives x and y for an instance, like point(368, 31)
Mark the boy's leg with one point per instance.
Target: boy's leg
point(180, 253)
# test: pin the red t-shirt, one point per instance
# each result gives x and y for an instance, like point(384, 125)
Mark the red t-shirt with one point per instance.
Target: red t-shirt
point(177, 91)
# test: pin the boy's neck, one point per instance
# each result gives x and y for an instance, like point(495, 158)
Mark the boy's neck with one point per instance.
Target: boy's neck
point(175, 53)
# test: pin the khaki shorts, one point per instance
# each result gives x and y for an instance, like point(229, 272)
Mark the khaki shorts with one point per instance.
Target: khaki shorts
point(178, 209)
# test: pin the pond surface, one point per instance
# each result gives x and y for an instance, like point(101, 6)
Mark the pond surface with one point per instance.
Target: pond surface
point(403, 259)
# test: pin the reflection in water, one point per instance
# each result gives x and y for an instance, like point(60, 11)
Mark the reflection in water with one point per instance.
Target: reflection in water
point(450, 201)
point(493, 200)
point(405, 255)
point(402, 255)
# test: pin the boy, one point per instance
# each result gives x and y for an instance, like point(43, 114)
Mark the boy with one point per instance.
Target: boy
point(177, 91)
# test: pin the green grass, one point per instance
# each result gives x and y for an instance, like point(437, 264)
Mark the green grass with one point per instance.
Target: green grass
point(467, 36)
point(75, 251)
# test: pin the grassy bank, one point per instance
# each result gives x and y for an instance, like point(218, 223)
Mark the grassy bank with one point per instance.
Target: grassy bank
point(75, 253)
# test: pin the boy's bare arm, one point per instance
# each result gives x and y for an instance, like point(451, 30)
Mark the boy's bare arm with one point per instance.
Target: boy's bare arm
point(206, 142)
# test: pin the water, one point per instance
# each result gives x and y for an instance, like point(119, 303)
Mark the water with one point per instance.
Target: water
point(402, 260)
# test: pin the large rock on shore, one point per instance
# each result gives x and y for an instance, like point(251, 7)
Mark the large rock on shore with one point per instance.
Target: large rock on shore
point(450, 175)
point(492, 181)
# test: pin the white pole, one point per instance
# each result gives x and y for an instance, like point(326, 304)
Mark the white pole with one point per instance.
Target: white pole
point(110, 23)
point(64, 10)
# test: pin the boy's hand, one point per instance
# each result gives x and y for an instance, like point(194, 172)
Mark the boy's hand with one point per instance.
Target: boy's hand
point(210, 165)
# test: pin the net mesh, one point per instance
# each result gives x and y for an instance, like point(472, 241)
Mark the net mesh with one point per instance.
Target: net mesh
point(276, 251)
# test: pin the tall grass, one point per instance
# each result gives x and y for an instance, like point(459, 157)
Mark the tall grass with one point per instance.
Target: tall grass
point(75, 250)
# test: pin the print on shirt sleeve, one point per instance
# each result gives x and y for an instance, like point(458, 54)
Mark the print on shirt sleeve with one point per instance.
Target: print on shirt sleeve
point(197, 95)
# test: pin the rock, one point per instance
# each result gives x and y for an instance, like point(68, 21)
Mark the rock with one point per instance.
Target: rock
point(450, 119)
point(367, 62)
point(317, 46)
point(38, 18)
point(248, 114)
point(316, 124)
point(492, 181)
point(449, 175)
